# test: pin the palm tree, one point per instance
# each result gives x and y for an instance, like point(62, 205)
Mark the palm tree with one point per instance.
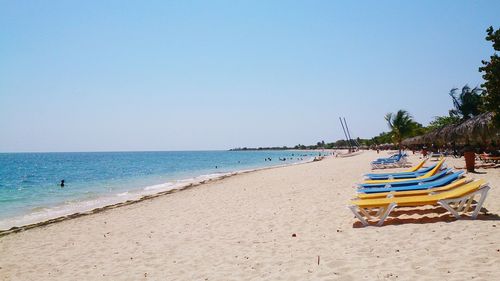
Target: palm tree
point(467, 103)
point(401, 125)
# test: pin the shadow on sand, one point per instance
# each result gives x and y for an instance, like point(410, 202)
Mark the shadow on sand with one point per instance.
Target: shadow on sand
point(442, 216)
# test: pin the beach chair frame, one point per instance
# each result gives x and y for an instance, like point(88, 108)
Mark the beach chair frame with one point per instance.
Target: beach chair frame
point(414, 171)
point(366, 214)
point(463, 204)
point(455, 206)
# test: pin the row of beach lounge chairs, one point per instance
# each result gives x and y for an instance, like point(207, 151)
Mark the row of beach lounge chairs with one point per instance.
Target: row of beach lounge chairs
point(380, 193)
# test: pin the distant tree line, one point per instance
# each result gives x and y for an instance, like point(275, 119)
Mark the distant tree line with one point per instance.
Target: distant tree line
point(260, 148)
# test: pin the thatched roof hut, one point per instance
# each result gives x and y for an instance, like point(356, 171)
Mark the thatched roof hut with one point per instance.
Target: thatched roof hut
point(478, 130)
point(414, 140)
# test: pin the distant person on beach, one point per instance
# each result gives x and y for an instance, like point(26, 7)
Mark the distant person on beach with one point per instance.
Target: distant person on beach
point(62, 183)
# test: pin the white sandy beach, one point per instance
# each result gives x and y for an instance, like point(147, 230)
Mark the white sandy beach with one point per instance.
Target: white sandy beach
point(243, 228)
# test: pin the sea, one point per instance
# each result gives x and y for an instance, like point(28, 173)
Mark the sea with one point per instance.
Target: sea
point(30, 189)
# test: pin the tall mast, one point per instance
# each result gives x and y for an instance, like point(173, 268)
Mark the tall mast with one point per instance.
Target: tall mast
point(349, 134)
point(345, 134)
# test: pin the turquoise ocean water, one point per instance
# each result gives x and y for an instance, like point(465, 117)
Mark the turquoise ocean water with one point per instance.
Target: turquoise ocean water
point(29, 182)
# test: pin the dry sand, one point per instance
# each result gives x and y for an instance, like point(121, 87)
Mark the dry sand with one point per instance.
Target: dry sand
point(243, 228)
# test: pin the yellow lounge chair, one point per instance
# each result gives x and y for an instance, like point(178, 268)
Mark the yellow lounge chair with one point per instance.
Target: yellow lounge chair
point(457, 200)
point(417, 167)
point(426, 175)
point(390, 194)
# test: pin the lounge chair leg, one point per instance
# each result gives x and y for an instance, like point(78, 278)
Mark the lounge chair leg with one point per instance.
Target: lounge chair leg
point(461, 205)
point(449, 208)
point(379, 211)
point(454, 206)
point(366, 212)
point(386, 213)
point(484, 193)
point(468, 205)
point(354, 210)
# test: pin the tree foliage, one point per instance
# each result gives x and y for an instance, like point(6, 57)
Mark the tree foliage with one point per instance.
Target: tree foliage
point(384, 137)
point(441, 121)
point(401, 124)
point(491, 75)
point(467, 103)
point(417, 129)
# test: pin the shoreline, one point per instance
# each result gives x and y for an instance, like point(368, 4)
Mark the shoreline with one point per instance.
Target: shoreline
point(287, 223)
point(177, 188)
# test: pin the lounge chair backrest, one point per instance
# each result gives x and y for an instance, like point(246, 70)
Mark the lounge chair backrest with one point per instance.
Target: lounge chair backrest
point(436, 168)
point(439, 174)
point(415, 168)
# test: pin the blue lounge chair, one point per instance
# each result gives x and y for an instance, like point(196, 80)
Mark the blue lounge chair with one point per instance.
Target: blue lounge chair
point(397, 160)
point(394, 157)
point(427, 185)
point(400, 175)
point(438, 175)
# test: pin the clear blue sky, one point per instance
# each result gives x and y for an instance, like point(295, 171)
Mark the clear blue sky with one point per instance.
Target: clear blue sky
point(182, 75)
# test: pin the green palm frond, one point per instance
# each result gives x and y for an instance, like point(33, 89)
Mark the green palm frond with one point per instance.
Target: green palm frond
point(401, 124)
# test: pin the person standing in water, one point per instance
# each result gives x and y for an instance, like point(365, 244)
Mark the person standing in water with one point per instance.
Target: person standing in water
point(62, 183)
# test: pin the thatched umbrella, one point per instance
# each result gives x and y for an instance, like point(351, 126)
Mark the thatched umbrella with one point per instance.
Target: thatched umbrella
point(478, 130)
point(414, 140)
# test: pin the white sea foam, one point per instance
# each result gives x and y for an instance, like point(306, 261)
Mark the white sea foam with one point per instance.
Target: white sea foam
point(65, 209)
point(161, 186)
